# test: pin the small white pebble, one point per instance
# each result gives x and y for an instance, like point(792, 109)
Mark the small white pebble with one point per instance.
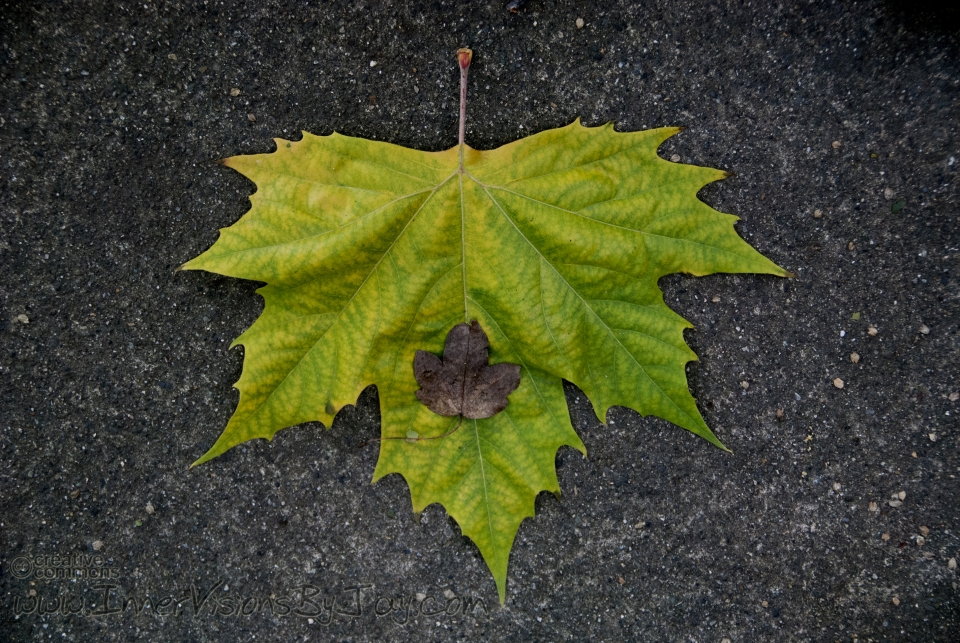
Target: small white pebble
point(873, 507)
point(579, 23)
point(924, 531)
point(843, 333)
point(902, 495)
point(235, 91)
point(953, 397)
point(896, 601)
point(838, 383)
point(23, 319)
point(836, 486)
point(872, 331)
point(745, 384)
point(920, 541)
point(675, 158)
point(894, 503)
point(447, 594)
point(421, 596)
point(251, 118)
point(924, 329)
point(854, 357)
point(716, 300)
point(373, 63)
point(835, 145)
point(952, 563)
point(888, 194)
point(97, 545)
point(817, 214)
point(149, 508)
point(933, 437)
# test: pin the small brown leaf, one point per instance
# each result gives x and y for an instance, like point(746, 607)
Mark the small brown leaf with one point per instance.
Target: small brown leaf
point(463, 383)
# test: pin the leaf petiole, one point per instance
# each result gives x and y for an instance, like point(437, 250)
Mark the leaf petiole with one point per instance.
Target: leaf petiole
point(464, 56)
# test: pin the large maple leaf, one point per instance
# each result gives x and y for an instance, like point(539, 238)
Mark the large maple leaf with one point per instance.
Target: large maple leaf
point(554, 243)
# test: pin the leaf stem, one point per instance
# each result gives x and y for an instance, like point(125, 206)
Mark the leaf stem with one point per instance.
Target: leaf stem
point(464, 56)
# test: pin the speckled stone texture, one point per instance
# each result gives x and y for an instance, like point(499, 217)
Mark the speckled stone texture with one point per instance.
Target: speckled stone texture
point(115, 372)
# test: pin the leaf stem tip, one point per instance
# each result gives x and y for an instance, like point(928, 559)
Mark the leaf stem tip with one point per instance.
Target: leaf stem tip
point(464, 56)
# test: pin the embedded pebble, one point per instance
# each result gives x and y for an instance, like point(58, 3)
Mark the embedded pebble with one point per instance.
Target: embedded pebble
point(838, 383)
point(925, 531)
point(764, 603)
point(836, 486)
point(854, 357)
point(251, 118)
point(149, 509)
point(579, 23)
point(872, 331)
point(933, 437)
point(952, 563)
point(885, 536)
point(873, 507)
point(894, 503)
point(888, 194)
point(920, 541)
point(902, 495)
point(373, 63)
point(23, 319)
point(675, 158)
point(421, 596)
point(779, 414)
point(896, 601)
point(817, 214)
point(953, 397)
point(97, 545)
point(447, 594)
point(850, 246)
point(745, 384)
point(235, 91)
point(716, 300)
point(836, 145)
point(924, 329)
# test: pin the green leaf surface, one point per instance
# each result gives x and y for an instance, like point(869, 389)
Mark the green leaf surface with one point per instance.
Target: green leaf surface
point(554, 243)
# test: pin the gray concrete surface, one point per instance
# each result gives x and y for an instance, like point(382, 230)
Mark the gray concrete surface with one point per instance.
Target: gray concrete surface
point(115, 372)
